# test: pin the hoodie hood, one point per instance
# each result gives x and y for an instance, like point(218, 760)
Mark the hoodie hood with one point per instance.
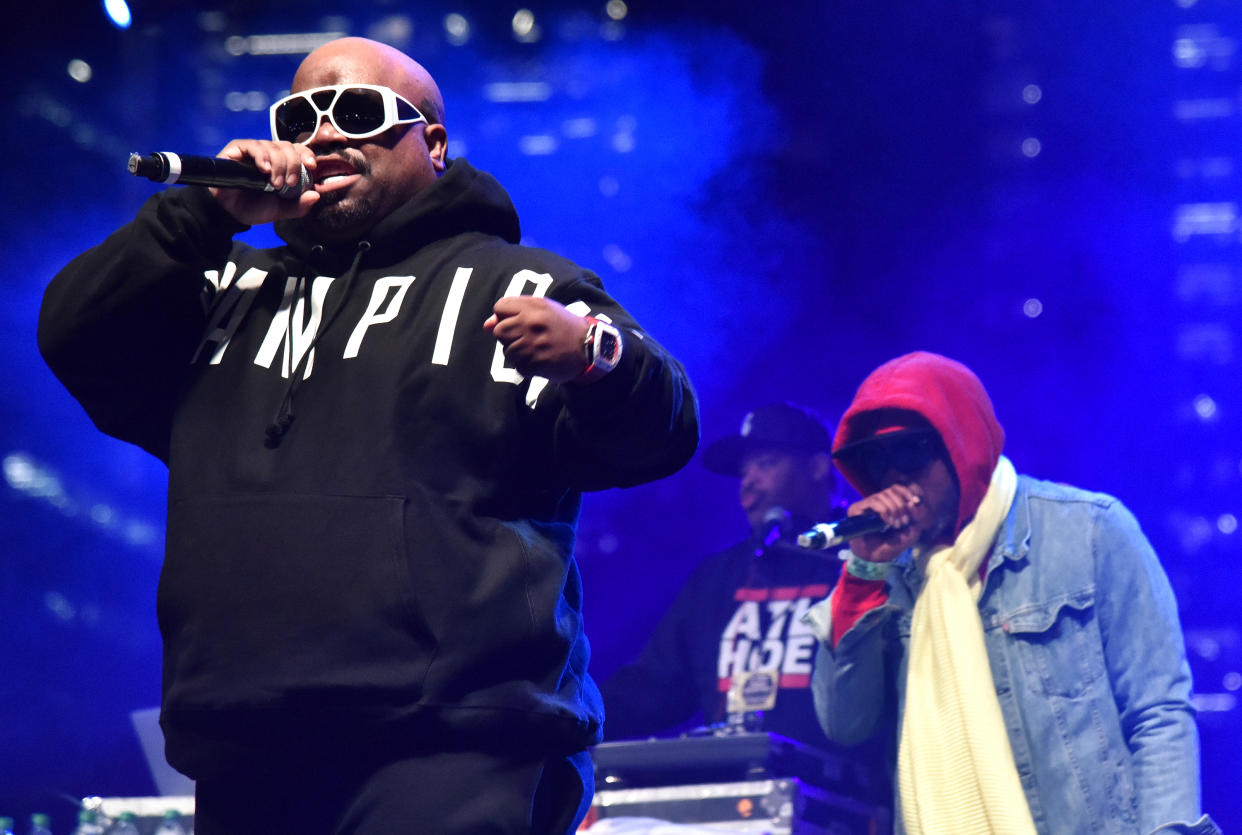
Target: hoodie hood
point(948, 396)
point(463, 199)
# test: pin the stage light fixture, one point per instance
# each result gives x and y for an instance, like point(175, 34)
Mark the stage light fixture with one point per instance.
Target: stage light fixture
point(524, 27)
point(118, 13)
point(79, 70)
point(457, 28)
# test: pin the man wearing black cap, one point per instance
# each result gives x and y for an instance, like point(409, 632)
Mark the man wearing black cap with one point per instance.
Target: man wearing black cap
point(741, 610)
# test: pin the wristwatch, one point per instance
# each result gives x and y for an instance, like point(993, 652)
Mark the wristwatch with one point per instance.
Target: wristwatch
point(601, 348)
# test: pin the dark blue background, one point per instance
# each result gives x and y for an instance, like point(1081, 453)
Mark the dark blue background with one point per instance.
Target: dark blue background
point(785, 194)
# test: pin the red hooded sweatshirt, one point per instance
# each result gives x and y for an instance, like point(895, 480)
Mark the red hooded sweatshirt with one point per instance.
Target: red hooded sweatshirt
point(951, 398)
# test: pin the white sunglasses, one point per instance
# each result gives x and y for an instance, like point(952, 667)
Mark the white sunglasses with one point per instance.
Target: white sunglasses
point(357, 111)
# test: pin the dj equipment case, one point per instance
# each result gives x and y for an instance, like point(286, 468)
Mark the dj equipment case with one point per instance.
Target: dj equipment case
point(742, 782)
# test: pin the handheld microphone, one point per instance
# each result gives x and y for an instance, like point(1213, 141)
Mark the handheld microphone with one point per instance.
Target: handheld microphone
point(164, 167)
point(775, 522)
point(830, 534)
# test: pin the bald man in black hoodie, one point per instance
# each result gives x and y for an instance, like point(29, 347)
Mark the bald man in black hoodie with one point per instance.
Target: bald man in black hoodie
point(377, 437)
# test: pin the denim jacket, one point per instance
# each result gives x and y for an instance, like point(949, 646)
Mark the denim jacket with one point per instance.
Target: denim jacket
point(1087, 658)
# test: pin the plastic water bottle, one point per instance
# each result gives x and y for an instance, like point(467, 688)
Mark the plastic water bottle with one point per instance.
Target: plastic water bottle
point(88, 823)
point(6, 826)
point(124, 825)
point(171, 824)
point(40, 824)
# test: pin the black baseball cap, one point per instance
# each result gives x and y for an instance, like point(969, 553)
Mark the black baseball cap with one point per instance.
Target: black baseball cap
point(784, 426)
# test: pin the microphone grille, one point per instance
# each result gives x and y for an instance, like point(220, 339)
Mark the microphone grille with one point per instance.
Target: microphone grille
point(305, 183)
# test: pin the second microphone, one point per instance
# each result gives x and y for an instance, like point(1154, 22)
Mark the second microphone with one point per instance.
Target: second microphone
point(832, 534)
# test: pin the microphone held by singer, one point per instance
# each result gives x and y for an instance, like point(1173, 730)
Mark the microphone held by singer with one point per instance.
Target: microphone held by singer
point(217, 172)
point(831, 534)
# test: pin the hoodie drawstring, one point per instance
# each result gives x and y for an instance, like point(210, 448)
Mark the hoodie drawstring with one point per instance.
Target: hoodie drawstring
point(284, 416)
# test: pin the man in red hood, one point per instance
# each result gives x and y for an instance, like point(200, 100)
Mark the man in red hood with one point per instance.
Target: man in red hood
point(1021, 633)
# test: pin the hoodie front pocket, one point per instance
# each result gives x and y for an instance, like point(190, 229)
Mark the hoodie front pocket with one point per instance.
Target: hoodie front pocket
point(301, 598)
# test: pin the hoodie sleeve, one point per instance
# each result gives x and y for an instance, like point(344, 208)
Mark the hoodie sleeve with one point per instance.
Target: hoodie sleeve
point(119, 323)
point(853, 599)
point(851, 682)
point(638, 423)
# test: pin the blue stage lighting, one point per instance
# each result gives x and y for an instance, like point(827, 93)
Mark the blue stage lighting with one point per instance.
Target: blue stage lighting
point(118, 13)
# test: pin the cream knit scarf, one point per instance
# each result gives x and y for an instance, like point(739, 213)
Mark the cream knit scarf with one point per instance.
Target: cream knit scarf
point(955, 769)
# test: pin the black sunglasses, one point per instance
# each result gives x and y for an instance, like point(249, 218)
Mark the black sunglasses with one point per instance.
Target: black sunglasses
point(908, 454)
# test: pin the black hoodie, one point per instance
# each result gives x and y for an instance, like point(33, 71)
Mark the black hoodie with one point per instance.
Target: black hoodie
point(371, 518)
